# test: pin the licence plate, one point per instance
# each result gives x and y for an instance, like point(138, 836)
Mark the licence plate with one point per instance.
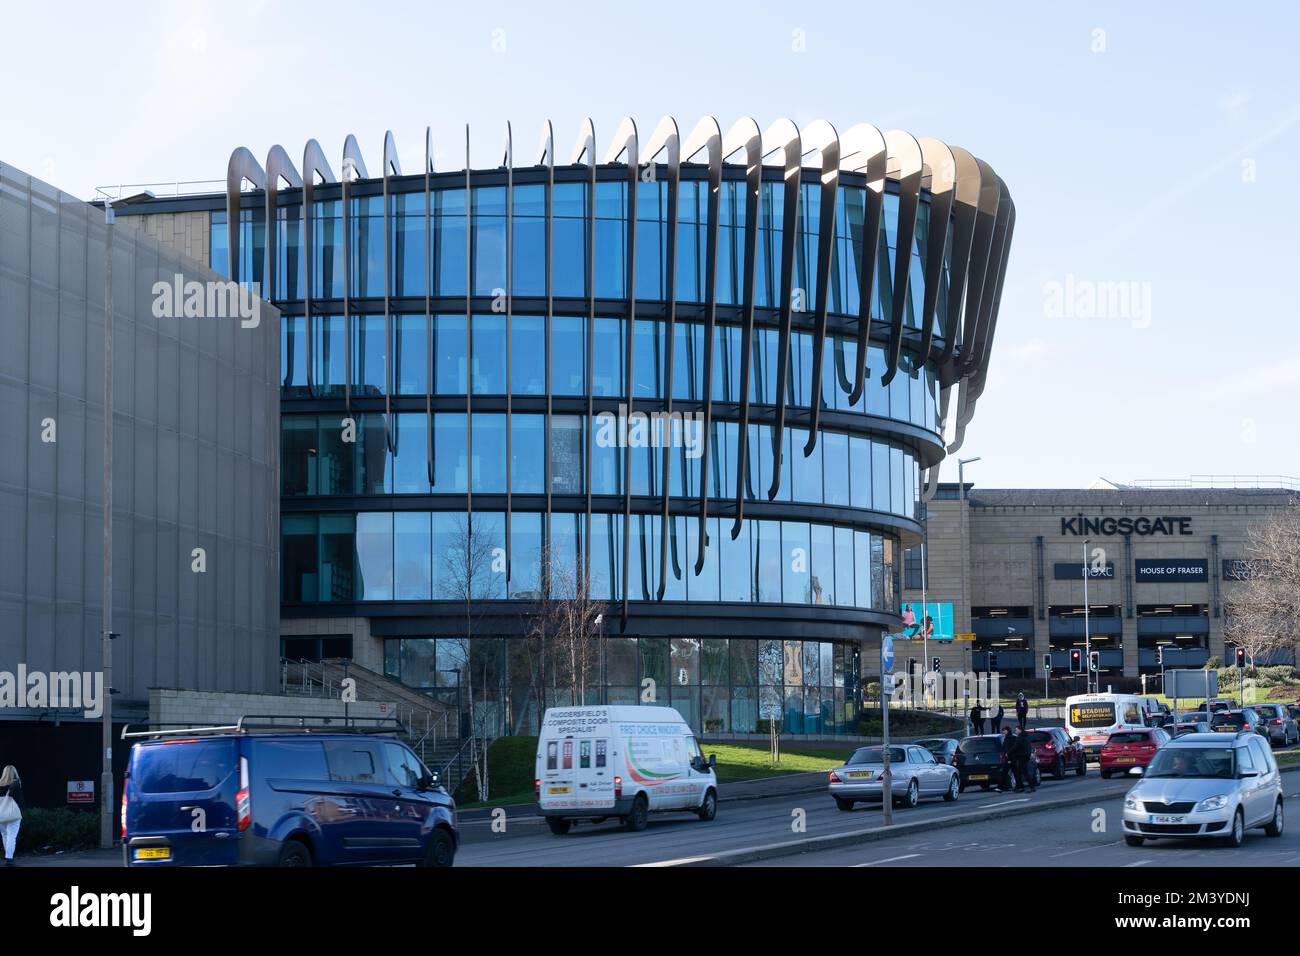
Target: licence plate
point(1165, 818)
point(153, 853)
point(1126, 759)
point(558, 790)
point(978, 776)
point(860, 775)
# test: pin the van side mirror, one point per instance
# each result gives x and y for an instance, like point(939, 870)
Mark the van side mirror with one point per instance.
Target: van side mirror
point(713, 761)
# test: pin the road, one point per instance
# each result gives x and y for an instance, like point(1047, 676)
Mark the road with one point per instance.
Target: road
point(739, 825)
point(1062, 837)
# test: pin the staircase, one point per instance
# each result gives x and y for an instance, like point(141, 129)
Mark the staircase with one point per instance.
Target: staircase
point(431, 728)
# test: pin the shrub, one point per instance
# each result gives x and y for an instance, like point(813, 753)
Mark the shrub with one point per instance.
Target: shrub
point(59, 829)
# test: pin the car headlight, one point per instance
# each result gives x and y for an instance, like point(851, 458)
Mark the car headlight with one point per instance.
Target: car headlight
point(1131, 802)
point(1217, 802)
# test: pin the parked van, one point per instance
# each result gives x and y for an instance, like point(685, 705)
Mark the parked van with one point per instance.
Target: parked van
point(1094, 717)
point(263, 795)
point(620, 761)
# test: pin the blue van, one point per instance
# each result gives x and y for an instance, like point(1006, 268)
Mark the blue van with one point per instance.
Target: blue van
point(273, 795)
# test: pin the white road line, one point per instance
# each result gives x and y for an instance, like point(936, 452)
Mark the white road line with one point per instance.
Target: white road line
point(1004, 803)
point(1138, 863)
point(891, 859)
point(1085, 849)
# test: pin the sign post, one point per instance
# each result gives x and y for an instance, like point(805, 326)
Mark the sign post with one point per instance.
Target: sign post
point(886, 691)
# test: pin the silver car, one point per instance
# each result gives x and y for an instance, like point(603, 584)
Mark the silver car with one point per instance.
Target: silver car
point(1216, 785)
point(914, 773)
point(1277, 720)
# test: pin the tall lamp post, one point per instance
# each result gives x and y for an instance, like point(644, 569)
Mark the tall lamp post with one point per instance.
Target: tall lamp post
point(1087, 638)
point(965, 557)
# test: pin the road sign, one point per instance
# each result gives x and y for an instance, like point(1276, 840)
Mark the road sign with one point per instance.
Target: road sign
point(1193, 684)
point(886, 654)
point(81, 791)
point(964, 637)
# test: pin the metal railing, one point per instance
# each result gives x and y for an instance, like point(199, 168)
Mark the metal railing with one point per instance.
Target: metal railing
point(1285, 482)
point(176, 187)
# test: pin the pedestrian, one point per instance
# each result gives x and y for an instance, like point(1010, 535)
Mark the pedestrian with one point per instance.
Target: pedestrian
point(1022, 710)
point(977, 719)
point(1023, 751)
point(997, 718)
point(11, 811)
point(1005, 748)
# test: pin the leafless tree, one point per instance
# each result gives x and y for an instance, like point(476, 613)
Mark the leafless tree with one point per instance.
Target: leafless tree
point(1264, 612)
point(471, 565)
point(563, 628)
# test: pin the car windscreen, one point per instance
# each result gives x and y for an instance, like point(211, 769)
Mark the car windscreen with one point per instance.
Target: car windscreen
point(1267, 710)
point(871, 755)
point(183, 766)
point(1039, 737)
point(1229, 720)
point(1095, 714)
point(980, 745)
point(1213, 762)
point(1129, 738)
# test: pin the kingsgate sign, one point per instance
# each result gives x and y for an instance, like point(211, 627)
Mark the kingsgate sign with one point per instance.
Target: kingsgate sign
point(1081, 525)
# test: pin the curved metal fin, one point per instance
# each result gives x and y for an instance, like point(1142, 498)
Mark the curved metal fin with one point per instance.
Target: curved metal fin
point(942, 167)
point(783, 136)
point(314, 165)
point(821, 135)
point(242, 166)
point(862, 149)
point(905, 162)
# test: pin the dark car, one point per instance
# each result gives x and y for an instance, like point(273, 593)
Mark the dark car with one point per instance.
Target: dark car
point(980, 762)
point(1179, 728)
point(943, 748)
point(1244, 719)
point(1056, 752)
point(273, 796)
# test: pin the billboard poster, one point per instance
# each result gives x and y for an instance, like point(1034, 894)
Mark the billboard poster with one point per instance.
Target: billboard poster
point(931, 622)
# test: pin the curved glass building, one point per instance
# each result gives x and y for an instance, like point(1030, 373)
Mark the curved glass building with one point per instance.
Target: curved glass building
point(702, 378)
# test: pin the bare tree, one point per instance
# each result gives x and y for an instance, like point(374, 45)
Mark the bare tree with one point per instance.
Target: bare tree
point(564, 628)
point(1264, 613)
point(471, 563)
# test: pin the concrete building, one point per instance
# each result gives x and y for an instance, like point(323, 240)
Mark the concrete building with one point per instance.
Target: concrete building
point(195, 477)
point(1161, 565)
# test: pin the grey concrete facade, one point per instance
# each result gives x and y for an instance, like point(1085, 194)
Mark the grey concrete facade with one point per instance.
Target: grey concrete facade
point(195, 464)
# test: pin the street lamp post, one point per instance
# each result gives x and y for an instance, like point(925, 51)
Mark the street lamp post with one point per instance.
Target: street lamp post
point(965, 557)
point(1087, 637)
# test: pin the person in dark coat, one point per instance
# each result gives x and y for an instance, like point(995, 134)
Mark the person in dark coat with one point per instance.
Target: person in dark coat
point(997, 718)
point(977, 719)
point(1023, 752)
point(11, 786)
point(1005, 748)
point(1022, 710)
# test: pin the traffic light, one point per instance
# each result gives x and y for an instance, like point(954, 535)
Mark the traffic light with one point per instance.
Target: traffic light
point(911, 666)
point(1241, 657)
point(935, 662)
point(1047, 663)
point(1160, 655)
point(1094, 661)
point(1076, 660)
point(993, 660)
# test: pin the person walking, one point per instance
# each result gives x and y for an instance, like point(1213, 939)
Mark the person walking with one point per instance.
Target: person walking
point(1022, 710)
point(1023, 753)
point(977, 719)
point(1005, 748)
point(11, 811)
point(997, 718)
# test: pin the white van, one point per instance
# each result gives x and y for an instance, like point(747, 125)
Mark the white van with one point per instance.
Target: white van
point(620, 761)
point(1094, 717)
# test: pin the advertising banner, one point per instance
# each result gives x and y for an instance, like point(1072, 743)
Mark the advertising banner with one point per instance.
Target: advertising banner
point(933, 622)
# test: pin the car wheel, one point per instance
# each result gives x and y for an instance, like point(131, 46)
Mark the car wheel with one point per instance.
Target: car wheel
point(1105, 775)
point(1082, 768)
point(294, 853)
point(559, 826)
point(709, 808)
point(441, 851)
point(986, 787)
point(954, 788)
point(1274, 829)
point(1238, 834)
point(845, 805)
point(1059, 772)
point(1134, 840)
point(913, 795)
point(639, 818)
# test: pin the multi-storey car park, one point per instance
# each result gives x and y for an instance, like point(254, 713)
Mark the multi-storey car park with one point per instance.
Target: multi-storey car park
point(796, 313)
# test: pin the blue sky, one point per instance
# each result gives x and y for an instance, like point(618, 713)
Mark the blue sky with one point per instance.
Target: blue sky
point(1147, 144)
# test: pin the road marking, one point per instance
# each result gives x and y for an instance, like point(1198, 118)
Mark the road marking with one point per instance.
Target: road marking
point(890, 859)
point(1085, 849)
point(1004, 803)
point(1138, 863)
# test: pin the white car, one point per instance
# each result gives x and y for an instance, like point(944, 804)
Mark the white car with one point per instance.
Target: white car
point(1215, 785)
point(914, 773)
point(620, 761)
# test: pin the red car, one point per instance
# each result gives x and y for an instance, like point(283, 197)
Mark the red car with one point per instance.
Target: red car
point(1126, 749)
point(1055, 751)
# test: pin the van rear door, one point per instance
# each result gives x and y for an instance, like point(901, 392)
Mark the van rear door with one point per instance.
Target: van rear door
point(558, 775)
point(593, 772)
point(181, 803)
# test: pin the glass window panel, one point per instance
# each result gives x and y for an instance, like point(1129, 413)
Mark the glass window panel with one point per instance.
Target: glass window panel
point(527, 354)
point(489, 354)
point(713, 661)
point(449, 352)
point(880, 470)
point(373, 476)
point(569, 240)
point(299, 559)
point(835, 467)
point(412, 556)
point(621, 661)
point(822, 584)
point(604, 562)
point(567, 451)
point(449, 241)
point(608, 354)
point(860, 471)
point(489, 240)
point(410, 462)
point(525, 555)
point(768, 559)
point(329, 355)
point(488, 453)
point(528, 259)
point(771, 663)
point(807, 468)
point(736, 563)
point(337, 562)
point(844, 567)
point(862, 569)
point(450, 454)
point(298, 455)
point(527, 453)
point(568, 354)
point(293, 354)
point(705, 585)
point(654, 664)
point(410, 355)
point(375, 555)
point(797, 584)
